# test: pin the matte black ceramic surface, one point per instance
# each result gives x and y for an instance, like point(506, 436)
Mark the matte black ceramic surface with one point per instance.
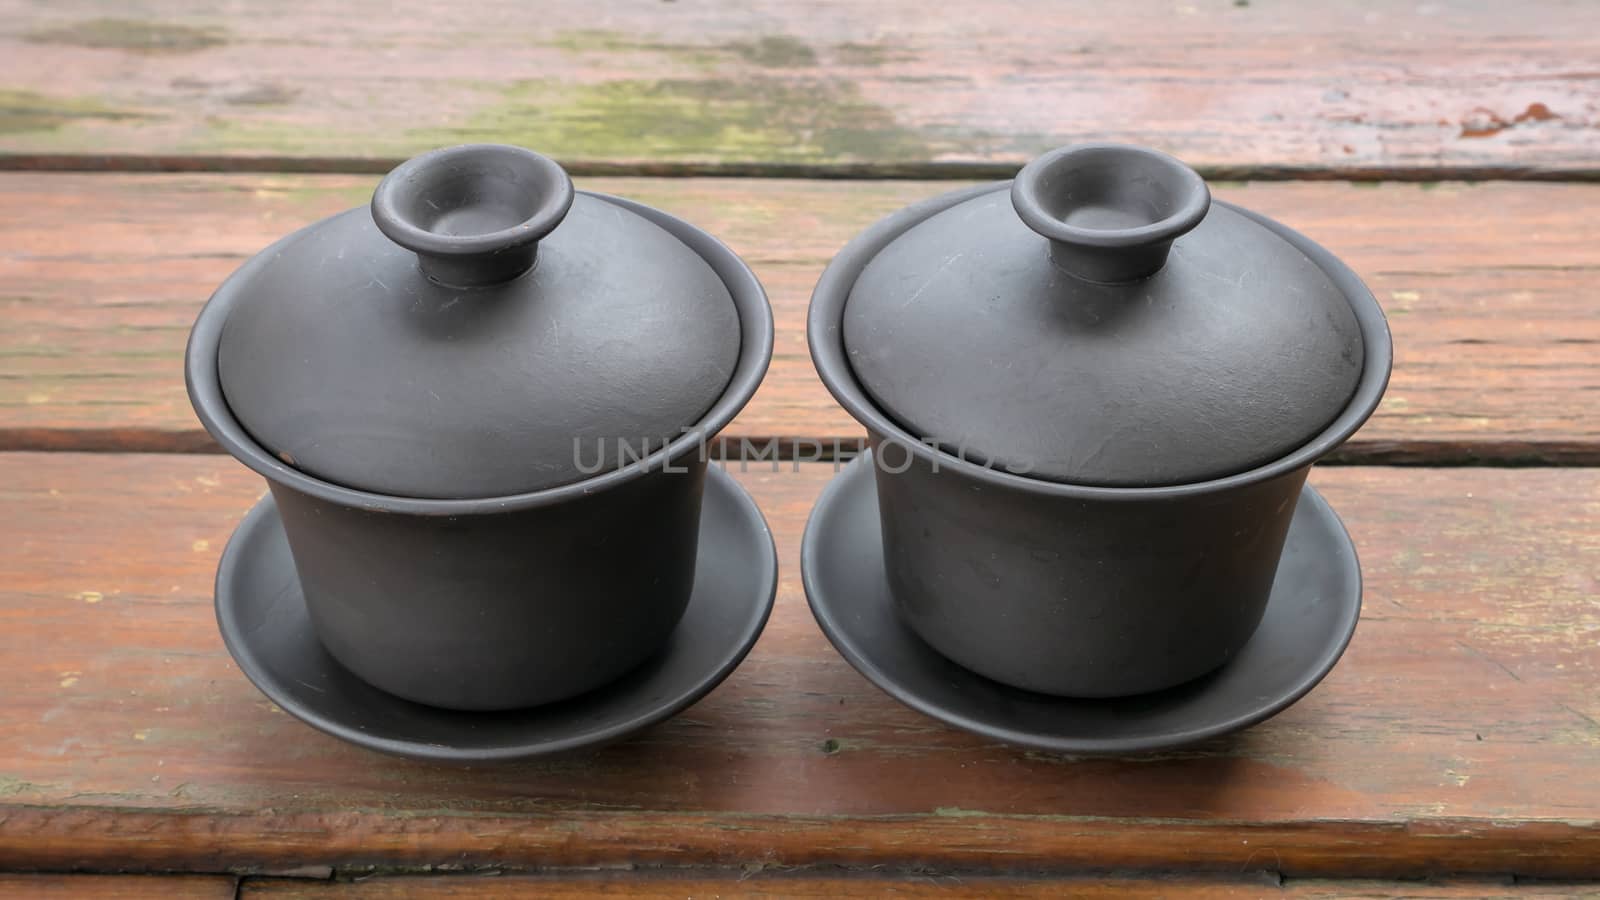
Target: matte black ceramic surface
point(1082, 598)
point(1071, 589)
point(502, 602)
point(505, 609)
point(482, 330)
point(264, 621)
point(989, 328)
point(1309, 620)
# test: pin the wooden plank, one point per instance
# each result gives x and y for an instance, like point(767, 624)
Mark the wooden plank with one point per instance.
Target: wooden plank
point(1488, 287)
point(119, 887)
point(695, 886)
point(775, 86)
point(1459, 734)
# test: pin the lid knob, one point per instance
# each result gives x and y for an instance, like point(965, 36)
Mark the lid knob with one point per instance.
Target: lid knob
point(1111, 211)
point(473, 214)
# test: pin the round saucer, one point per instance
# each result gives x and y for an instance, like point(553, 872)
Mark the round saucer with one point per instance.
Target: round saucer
point(264, 623)
point(1310, 617)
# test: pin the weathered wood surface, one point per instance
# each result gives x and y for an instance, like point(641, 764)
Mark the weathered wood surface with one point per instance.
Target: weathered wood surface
point(118, 887)
point(1233, 84)
point(1489, 288)
point(696, 886)
point(1461, 733)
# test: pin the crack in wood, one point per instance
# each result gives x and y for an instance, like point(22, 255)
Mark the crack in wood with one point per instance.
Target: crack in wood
point(874, 171)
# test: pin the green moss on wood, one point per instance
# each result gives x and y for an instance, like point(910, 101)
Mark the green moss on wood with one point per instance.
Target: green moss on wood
point(771, 51)
point(11, 787)
point(701, 119)
point(133, 35)
point(851, 53)
point(24, 111)
point(263, 95)
point(595, 40)
point(779, 52)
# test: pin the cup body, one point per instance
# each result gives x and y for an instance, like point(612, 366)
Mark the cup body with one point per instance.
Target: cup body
point(1078, 597)
point(499, 610)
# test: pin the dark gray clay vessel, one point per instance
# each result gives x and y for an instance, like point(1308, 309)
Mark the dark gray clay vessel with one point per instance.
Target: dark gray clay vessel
point(482, 408)
point(1094, 395)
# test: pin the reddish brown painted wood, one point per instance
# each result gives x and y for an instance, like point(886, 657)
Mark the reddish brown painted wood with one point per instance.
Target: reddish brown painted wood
point(1460, 733)
point(1489, 290)
point(1374, 85)
point(698, 886)
point(118, 887)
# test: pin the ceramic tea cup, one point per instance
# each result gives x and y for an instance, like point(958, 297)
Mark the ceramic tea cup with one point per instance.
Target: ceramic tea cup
point(481, 406)
point(1092, 395)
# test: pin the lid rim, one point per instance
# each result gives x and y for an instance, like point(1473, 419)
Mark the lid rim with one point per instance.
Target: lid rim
point(824, 330)
point(203, 382)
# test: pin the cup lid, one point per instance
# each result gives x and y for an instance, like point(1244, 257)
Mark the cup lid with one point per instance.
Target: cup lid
point(1100, 321)
point(482, 330)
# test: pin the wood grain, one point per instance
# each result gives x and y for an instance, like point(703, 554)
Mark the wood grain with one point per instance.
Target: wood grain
point(118, 887)
point(1489, 290)
point(1459, 734)
point(697, 886)
point(1227, 84)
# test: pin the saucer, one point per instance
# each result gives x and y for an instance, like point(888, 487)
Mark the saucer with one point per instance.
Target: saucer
point(264, 623)
point(1310, 617)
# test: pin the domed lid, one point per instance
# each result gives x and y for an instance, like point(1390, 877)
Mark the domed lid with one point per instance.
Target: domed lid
point(482, 331)
point(1103, 323)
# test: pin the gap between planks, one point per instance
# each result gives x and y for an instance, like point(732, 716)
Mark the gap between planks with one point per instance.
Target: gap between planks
point(870, 171)
point(759, 883)
point(915, 883)
point(839, 448)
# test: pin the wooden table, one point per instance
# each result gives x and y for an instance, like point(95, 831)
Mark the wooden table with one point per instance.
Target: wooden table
point(1447, 151)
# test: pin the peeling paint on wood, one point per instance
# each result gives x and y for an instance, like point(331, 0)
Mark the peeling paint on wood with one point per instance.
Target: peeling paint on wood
point(1335, 86)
